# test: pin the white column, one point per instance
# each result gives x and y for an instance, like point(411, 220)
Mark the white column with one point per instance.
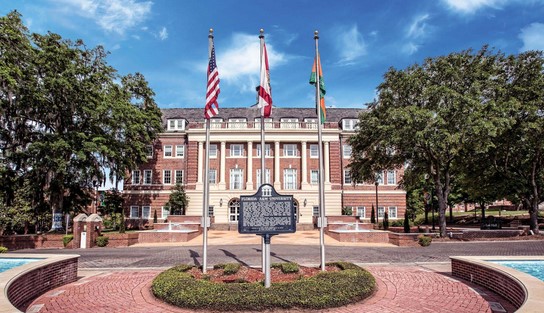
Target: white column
point(304, 166)
point(222, 168)
point(200, 159)
point(249, 182)
point(327, 163)
point(277, 174)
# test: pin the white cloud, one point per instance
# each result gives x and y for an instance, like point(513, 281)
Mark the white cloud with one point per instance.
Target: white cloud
point(239, 63)
point(532, 37)
point(410, 48)
point(350, 44)
point(163, 34)
point(111, 15)
point(418, 27)
point(471, 6)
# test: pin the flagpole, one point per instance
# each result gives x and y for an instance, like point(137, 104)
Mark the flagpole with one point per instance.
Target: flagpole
point(206, 180)
point(320, 145)
point(263, 165)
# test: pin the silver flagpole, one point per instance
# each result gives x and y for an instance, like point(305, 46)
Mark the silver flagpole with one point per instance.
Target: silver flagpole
point(320, 142)
point(263, 165)
point(206, 180)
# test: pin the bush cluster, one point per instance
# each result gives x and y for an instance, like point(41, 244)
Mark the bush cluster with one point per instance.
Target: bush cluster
point(424, 241)
point(3, 249)
point(287, 267)
point(102, 241)
point(66, 239)
point(228, 268)
point(325, 290)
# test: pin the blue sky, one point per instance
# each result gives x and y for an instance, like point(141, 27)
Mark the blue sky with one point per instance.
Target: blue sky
point(167, 40)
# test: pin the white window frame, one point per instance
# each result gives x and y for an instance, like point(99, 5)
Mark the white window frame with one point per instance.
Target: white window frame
point(175, 124)
point(149, 151)
point(213, 151)
point(136, 177)
point(289, 123)
point(165, 211)
point(168, 151)
point(266, 150)
point(210, 210)
point(381, 212)
point(315, 210)
point(267, 123)
point(346, 151)
point(134, 211)
point(167, 177)
point(237, 123)
point(176, 172)
point(236, 179)
point(234, 211)
point(289, 150)
point(236, 148)
point(391, 177)
point(347, 177)
point(380, 178)
point(311, 123)
point(391, 210)
point(314, 177)
point(266, 178)
point(290, 179)
point(148, 177)
point(361, 209)
point(216, 123)
point(180, 151)
point(146, 208)
point(314, 151)
point(212, 176)
point(349, 124)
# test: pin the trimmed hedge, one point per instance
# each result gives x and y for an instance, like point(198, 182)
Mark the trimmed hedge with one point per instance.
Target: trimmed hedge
point(286, 268)
point(102, 241)
point(324, 290)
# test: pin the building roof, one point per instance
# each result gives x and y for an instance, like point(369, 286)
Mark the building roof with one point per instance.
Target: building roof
point(250, 113)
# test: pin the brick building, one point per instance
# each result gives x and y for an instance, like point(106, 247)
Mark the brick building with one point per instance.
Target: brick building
point(291, 158)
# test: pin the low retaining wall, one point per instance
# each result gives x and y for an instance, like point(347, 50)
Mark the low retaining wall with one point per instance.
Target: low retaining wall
point(45, 241)
point(121, 240)
point(154, 237)
point(21, 285)
point(367, 236)
point(524, 291)
point(404, 239)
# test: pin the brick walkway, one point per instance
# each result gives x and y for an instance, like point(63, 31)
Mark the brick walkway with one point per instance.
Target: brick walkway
point(400, 289)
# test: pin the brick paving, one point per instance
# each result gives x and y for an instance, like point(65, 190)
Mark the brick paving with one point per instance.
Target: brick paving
point(400, 289)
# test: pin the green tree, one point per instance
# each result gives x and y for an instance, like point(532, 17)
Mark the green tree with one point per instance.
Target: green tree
point(429, 116)
point(113, 205)
point(178, 200)
point(372, 215)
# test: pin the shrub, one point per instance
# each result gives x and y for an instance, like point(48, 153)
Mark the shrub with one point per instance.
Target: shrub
point(386, 221)
point(325, 290)
point(3, 249)
point(286, 268)
point(182, 267)
point(406, 223)
point(424, 241)
point(419, 221)
point(228, 268)
point(66, 239)
point(102, 241)
point(347, 210)
point(396, 223)
point(373, 216)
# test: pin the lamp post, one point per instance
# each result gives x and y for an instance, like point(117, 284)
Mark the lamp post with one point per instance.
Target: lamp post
point(377, 209)
point(95, 185)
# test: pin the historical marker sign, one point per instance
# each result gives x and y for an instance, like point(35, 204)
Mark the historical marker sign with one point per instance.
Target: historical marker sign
point(266, 212)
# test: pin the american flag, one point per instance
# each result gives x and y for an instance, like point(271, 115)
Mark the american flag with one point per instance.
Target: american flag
point(212, 107)
point(265, 91)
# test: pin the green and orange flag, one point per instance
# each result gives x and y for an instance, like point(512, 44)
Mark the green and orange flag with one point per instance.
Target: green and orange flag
point(322, 91)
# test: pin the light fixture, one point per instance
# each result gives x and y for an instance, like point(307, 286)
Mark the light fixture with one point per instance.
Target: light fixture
point(305, 202)
point(221, 202)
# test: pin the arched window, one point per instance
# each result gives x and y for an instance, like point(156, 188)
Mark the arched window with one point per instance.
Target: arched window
point(234, 210)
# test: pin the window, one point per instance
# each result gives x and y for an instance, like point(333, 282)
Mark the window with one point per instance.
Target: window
point(165, 211)
point(380, 178)
point(167, 177)
point(289, 150)
point(349, 124)
point(391, 178)
point(210, 210)
point(267, 123)
point(392, 212)
point(289, 123)
point(212, 176)
point(180, 151)
point(216, 123)
point(346, 151)
point(237, 123)
point(236, 179)
point(311, 123)
point(266, 178)
point(149, 151)
point(266, 150)
point(148, 177)
point(134, 212)
point(135, 177)
point(314, 151)
point(167, 151)
point(290, 179)
point(213, 151)
point(315, 210)
point(236, 150)
point(176, 124)
point(234, 209)
point(361, 211)
point(347, 177)
point(314, 177)
point(381, 211)
point(146, 212)
point(179, 176)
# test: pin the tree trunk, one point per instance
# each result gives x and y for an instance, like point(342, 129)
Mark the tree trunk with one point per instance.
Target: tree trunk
point(533, 216)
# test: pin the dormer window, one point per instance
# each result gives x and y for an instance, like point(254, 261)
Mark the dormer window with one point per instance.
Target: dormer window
point(237, 123)
point(289, 123)
point(349, 124)
point(215, 123)
point(311, 123)
point(175, 124)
